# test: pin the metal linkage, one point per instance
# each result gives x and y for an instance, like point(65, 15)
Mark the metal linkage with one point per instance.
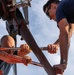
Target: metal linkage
point(23, 3)
point(15, 4)
point(35, 63)
point(17, 48)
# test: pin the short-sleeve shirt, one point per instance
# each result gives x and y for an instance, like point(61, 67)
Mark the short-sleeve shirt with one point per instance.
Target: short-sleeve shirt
point(65, 10)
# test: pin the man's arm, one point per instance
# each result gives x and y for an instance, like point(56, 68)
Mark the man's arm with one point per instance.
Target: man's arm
point(71, 29)
point(12, 59)
point(56, 42)
point(64, 40)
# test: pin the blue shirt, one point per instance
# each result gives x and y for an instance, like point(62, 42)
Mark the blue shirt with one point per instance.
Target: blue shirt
point(5, 67)
point(65, 10)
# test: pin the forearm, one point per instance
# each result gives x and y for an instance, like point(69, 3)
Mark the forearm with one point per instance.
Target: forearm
point(10, 58)
point(57, 42)
point(71, 30)
point(64, 46)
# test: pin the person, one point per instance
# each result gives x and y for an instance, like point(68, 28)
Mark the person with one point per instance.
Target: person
point(9, 57)
point(63, 13)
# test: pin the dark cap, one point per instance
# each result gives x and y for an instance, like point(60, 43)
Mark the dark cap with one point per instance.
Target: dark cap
point(48, 4)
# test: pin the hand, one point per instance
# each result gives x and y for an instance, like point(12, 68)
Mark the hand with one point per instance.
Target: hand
point(52, 48)
point(26, 60)
point(25, 49)
point(59, 69)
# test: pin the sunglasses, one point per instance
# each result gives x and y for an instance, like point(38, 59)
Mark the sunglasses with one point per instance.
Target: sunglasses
point(47, 11)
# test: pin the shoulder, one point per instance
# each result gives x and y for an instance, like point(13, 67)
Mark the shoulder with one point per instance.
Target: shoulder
point(60, 12)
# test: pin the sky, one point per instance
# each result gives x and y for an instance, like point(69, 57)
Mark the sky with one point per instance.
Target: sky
point(44, 31)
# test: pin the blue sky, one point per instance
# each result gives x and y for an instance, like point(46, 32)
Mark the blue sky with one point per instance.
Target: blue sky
point(44, 31)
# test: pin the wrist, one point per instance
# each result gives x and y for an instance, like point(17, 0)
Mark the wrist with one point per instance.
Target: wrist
point(24, 61)
point(63, 61)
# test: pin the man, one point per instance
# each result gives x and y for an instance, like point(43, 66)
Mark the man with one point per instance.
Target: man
point(8, 58)
point(63, 13)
